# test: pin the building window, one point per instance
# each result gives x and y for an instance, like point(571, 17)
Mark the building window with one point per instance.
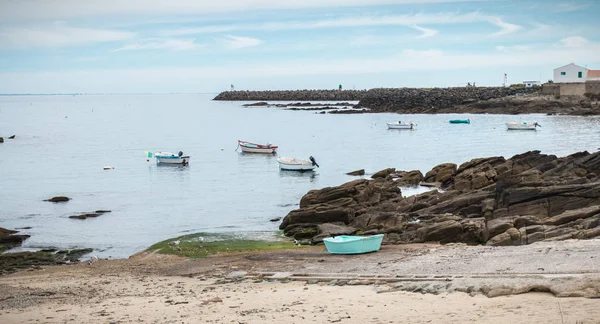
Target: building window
point(563, 73)
point(580, 74)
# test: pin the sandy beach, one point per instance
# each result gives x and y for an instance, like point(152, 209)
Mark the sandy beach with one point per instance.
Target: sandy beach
point(400, 284)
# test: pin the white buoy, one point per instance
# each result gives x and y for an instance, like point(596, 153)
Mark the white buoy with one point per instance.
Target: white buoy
point(108, 167)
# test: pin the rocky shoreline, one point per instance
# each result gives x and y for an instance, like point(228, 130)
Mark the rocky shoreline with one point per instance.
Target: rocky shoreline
point(491, 100)
point(493, 201)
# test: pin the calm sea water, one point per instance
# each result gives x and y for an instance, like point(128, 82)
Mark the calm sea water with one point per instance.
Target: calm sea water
point(63, 143)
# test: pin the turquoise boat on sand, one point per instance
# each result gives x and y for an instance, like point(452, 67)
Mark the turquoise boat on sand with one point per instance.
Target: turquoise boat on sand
point(349, 244)
point(460, 121)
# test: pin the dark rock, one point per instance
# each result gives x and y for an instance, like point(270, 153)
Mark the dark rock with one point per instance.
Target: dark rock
point(527, 198)
point(1, 139)
point(357, 172)
point(383, 173)
point(58, 199)
point(276, 219)
point(330, 229)
point(410, 178)
point(11, 262)
point(12, 137)
point(9, 238)
point(256, 104)
point(85, 216)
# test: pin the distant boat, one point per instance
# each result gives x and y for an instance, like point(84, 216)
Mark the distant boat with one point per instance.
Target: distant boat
point(257, 148)
point(349, 244)
point(293, 164)
point(400, 125)
point(521, 126)
point(170, 158)
point(460, 121)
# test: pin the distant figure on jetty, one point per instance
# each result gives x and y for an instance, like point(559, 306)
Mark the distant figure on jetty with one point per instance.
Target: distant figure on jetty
point(232, 87)
point(340, 88)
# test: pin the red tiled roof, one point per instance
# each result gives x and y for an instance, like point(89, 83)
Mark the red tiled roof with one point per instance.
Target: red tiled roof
point(593, 74)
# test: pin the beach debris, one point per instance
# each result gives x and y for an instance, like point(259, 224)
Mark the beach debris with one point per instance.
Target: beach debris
point(237, 274)
point(174, 243)
point(93, 259)
point(58, 199)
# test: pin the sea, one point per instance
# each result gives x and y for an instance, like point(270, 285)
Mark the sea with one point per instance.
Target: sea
point(63, 143)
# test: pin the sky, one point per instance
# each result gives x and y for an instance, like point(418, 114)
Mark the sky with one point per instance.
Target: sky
point(205, 46)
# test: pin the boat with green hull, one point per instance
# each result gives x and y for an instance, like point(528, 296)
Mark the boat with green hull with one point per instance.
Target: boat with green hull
point(460, 121)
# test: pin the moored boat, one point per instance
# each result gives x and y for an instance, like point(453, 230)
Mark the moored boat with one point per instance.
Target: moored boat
point(293, 164)
point(257, 148)
point(400, 125)
point(350, 244)
point(170, 158)
point(522, 126)
point(460, 121)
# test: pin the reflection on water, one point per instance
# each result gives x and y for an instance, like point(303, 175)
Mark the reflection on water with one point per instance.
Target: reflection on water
point(312, 175)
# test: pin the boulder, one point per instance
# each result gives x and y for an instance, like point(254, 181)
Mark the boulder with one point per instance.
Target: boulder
point(360, 172)
point(1, 139)
point(332, 229)
point(9, 238)
point(441, 173)
point(383, 173)
point(410, 178)
point(58, 199)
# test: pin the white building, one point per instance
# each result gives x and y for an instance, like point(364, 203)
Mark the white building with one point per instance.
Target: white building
point(570, 73)
point(529, 84)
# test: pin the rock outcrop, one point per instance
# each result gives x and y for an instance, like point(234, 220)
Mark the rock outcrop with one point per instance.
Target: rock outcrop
point(89, 215)
point(58, 199)
point(495, 201)
point(10, 239)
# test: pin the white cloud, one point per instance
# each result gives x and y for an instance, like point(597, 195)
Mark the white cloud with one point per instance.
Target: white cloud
point(426, 31)
point(28, 10)
point(163, 44)
point(58, 35)
point(413, 20)
point(189, 78)
point(505, 28)
point(241, 42)
point(570, 6)
point(574, 41)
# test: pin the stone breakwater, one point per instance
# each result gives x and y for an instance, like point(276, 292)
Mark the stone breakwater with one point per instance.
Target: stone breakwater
point(494, 201)
point(433, 100)
point(292, 95)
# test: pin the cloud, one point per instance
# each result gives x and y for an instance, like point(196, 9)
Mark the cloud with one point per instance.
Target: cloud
point(570, 6)
point(574, 41)
point(413, 20)
point(426, 31)
point(192, 77)
point(162, 44)
point(58, 35)
point(237, 42)
point(514, 48)
point(505, 28)
point(31, 10)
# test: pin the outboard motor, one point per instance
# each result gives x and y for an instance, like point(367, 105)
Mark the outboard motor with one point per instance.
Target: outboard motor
point(180, 154)
point(312, 159)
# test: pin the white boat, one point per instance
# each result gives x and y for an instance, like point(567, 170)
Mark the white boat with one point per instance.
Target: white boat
point(400, 125)
point(521, 126)
point(170, 158)
point(257, 148)
point(293, 164)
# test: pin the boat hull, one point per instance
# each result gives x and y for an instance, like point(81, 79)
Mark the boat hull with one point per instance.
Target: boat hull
point(399, 126)
point(181, 160)
point(248, 147)
point(347, 244)
point(520, 126)
point(460, 121)
point(295, 165)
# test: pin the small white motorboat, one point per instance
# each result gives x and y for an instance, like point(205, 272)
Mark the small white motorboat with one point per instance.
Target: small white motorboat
point(257, 148)
point(522, 126)
point(400, 125)
point(170, 158)
point(293, 164)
